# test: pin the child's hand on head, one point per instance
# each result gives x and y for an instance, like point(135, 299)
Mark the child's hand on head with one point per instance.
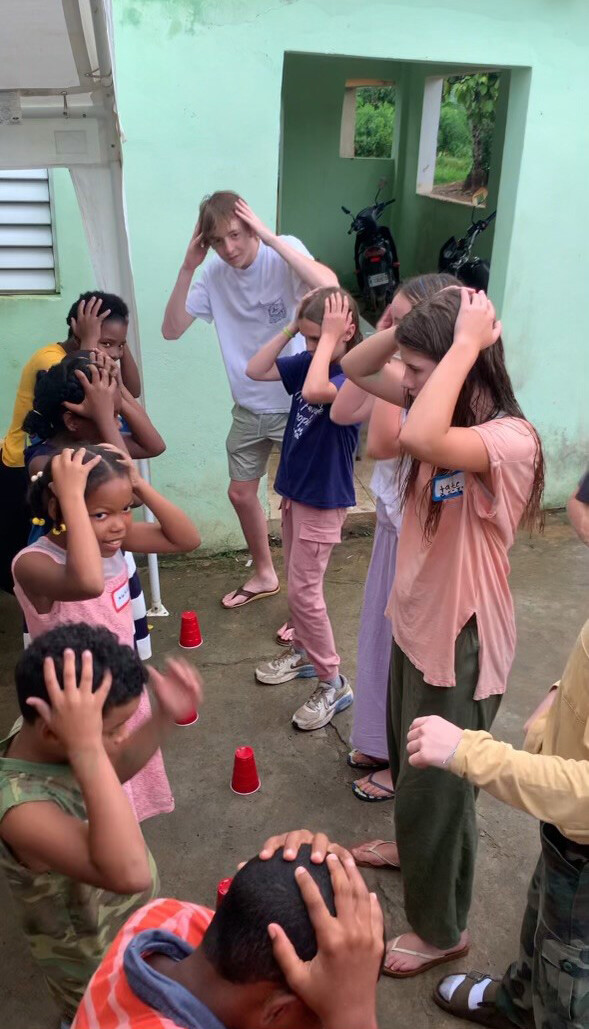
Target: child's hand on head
point(74, 712)
point(99, 393)
point(476, 323)
point(87, 325)
point(178, 689)
point(125, 459)
point(339, 983)
point(337, 318)
point(69, 473)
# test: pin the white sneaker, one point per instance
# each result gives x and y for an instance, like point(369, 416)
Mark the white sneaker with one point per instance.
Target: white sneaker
point(289, 665)
point(325, 702)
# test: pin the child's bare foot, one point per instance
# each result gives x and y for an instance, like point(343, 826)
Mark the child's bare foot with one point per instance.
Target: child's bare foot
point(358, 759)
point(376, 854)
point(255, 588)
point(376, 787)
point(409, 955)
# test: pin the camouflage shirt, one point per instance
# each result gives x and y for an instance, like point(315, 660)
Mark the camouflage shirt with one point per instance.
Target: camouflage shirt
point(69, 925)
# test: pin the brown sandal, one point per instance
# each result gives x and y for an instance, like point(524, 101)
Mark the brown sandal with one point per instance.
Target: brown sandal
point(429, 962)
point(485, 1013)
point(248, 597)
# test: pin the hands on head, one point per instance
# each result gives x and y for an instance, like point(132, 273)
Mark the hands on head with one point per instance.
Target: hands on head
point(477, 322)
point(86, 326)
point(339, 983)
point(74, 712)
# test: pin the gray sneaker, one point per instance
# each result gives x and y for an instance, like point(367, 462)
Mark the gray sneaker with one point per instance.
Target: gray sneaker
point(290, 665)
point(325, 702)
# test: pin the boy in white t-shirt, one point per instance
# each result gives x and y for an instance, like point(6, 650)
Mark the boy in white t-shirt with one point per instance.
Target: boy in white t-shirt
point(251, 289)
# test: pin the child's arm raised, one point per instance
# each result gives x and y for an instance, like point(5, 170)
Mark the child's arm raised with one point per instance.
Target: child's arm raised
point(352, 405)
point(81, 577)
point(172, 533)
point(384, 427)
point(178, 692)
point(108, 850)
point(369, 365)
point(98, 405)
point(145, 440)
point(262, 366)
point(337, 323)
point(428, 433)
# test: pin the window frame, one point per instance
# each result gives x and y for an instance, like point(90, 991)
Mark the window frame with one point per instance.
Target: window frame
point(7, 175)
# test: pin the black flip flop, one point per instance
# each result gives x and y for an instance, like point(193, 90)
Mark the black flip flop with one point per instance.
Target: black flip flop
point(361, 795)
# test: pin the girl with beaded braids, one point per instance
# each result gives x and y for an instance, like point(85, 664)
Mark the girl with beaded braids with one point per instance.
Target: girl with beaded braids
point(77, 572)
point(82, 400)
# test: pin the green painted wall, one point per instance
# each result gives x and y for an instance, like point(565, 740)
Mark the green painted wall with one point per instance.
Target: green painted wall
point(28, 322)
point(315, 180)
point(200, 87)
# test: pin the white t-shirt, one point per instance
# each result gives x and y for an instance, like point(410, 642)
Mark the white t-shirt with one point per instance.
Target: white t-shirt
point(249, 306)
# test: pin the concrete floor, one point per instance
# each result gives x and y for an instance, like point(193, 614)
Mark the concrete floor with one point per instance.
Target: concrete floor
point(305, 781)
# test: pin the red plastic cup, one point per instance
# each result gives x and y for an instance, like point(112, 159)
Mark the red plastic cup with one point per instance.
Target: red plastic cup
point(245, 777)
point(190, 718)
point(222, 890)
point(190, 634)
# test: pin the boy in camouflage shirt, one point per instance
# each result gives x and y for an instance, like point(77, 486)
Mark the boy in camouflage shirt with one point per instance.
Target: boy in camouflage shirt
point(72, 851)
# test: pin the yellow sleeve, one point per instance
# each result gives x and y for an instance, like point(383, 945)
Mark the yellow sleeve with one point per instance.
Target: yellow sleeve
point(552, 789)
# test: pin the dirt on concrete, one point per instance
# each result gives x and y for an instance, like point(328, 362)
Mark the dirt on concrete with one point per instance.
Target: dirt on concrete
point(305, 779)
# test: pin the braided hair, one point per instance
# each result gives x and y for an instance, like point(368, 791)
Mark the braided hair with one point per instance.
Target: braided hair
point(54, 386)
point(40, 492)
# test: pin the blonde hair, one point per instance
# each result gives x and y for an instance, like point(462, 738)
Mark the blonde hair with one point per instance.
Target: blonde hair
point(313, 308)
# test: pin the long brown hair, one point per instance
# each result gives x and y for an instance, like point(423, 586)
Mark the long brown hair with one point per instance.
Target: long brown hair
point(313, 308)
point(487, 393)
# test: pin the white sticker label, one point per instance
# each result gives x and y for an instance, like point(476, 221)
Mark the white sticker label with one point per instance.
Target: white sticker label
point(121, 596)
point(444, 487)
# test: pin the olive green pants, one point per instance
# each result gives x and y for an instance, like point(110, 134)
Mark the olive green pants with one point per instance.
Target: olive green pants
point(435, 820)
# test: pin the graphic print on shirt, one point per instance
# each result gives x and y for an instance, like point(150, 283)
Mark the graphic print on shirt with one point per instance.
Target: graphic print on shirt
point(276, 311)
point(306, 414)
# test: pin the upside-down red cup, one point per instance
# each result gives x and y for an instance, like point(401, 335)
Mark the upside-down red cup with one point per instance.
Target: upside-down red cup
point(222, 890)
point(190, 634)
point(190, 718)
point(245, 777)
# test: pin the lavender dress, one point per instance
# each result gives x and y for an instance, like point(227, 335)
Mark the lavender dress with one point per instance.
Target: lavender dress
point(375, 633)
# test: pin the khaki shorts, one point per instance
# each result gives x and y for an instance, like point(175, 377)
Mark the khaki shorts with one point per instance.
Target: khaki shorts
point(250, 441)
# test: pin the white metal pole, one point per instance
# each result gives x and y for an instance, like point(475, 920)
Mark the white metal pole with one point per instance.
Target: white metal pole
point(157, 609)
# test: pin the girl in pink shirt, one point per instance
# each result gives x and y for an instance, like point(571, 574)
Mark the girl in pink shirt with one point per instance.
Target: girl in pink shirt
point(77, 573)
point(472, 471)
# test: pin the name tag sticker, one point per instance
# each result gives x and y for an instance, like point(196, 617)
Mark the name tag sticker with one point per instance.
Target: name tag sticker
point(445, 487)
point(121, 596)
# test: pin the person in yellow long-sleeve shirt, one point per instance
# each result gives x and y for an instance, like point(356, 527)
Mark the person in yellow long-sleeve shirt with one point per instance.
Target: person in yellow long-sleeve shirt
point(548, 986)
